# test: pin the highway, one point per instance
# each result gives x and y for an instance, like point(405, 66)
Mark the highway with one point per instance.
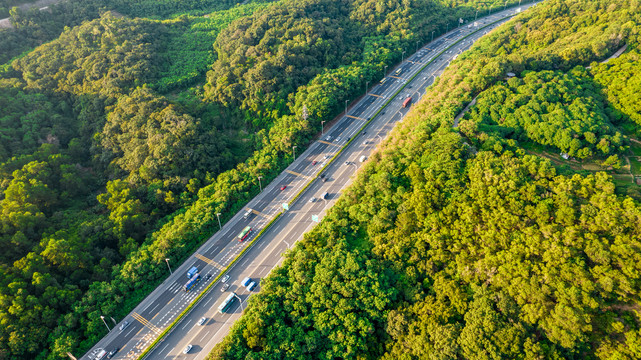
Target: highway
point(168, 300)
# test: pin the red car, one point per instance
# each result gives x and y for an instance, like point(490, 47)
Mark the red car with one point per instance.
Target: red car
point(314, 162)
point(283, 187)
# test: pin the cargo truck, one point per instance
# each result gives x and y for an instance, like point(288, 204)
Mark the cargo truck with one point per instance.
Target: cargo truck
point(407, 102)
point(190, 284)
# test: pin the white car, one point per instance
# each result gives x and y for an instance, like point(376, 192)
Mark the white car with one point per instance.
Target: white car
point(251, 286)
point(202, 320)
point(338, 138)
point(312, 199)
point(365, 142)
point(187, 349)
point(328, 138)
point(224, 279)
point(124, 325)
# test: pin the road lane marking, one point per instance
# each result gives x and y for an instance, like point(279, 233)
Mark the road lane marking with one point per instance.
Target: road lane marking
point(378, 96)
point(145, 322)
point(209, 261)
point(298, 174)
point(356, 117)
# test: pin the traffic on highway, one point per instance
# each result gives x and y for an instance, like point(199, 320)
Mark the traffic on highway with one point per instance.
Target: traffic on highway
point(323, 170)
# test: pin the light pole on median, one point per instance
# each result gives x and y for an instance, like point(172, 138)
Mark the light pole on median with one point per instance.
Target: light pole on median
point(104, 322)
point(260, 185)
point(218, 216)
point(241, 302)
point(167, 261)
point(294, 150)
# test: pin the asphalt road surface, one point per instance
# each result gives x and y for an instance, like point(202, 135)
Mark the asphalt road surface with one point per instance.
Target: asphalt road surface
point(167, 301)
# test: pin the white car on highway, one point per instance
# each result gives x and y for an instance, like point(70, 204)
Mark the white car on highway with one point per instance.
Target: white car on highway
point(187, 349)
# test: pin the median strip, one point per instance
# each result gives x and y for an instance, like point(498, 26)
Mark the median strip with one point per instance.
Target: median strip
point(189, 307)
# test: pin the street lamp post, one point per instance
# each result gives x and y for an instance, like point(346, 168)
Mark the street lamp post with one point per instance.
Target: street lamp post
point(432, 35)
point(260, 185)
point(403, 56)
point(346, 106)
point(505, 6)
point(477, 14)
point(366, 86)
point(385, 72)
point(448, 28)
point(218, 216)
point(322, 127)
point(104, 322)
point(167, 261)
point(416, 46)
point(241, 302)
point(294, 150)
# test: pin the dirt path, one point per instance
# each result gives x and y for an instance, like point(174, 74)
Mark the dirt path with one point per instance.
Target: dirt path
point(459, 116)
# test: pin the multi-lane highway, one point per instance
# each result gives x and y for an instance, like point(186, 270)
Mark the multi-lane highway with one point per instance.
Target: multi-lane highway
point(166, 302)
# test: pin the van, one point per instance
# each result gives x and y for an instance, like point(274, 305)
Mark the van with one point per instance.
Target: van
point(101, 355)
point(246, 281)
point(324, 195)
point(363, 158)
point(251, 286)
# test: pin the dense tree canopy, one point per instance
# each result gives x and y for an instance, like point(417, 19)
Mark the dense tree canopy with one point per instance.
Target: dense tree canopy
point(564, 110)
point(110, 163)
point(488, 252)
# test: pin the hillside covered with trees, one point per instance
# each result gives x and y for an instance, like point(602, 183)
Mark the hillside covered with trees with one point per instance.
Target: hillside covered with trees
point(126, 126)
point(469, 241)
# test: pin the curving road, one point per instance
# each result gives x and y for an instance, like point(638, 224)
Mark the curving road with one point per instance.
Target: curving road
point(166, 302)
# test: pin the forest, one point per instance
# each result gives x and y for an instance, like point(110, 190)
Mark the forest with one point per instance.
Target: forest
point(127, 125)
point(463, 242)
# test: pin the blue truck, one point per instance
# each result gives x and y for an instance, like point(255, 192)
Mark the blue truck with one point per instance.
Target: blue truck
point(191, 272)
point(194, 279)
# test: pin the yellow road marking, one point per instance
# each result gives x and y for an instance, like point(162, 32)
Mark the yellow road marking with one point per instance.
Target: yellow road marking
point(326, 142)
point(297, 174)
point(256, 212)
point(378, 96)
point(395, 77)
point(355, 117)
point(145, 322)
point(209, 261)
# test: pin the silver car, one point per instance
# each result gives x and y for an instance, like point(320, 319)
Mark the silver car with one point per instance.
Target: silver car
point(187, 349)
